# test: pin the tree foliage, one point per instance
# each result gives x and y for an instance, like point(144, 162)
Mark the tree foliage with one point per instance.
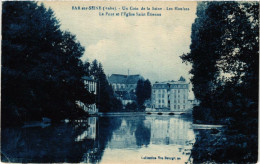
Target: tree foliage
point(224, 56)
point(143, 91)
point(106, 100)
point(41, 69)
point(131, 107)
point(225, 59)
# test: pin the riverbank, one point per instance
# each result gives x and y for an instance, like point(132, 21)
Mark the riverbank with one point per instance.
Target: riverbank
point(139, 113)
point(121, 114)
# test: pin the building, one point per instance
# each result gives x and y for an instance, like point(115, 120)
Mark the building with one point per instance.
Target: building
point(124, 86)
point(171, 95)
point(124, 82)
point(90, 85)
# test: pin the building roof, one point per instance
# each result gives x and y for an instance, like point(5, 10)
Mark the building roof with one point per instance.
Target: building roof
point(169, 84)
point(124, 79)
point(182, 79)
point(116, 78)
point(133, 79)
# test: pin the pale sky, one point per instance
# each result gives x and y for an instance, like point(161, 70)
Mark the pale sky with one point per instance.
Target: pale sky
point(147, 45)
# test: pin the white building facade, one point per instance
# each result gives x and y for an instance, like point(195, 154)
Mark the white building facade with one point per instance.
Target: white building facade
point(90, 85)
point(171, 95)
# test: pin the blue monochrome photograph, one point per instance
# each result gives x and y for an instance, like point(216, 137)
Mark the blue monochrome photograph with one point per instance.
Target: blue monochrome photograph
point(129, 82)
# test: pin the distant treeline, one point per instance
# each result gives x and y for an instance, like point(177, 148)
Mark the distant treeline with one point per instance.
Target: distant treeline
point(41, 68)
point(225, 74)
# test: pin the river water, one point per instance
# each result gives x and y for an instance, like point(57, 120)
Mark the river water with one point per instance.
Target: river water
point(107, 139)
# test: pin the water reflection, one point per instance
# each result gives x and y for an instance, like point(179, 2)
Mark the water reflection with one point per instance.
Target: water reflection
point(102, 140)
point(170, 131)
point(90, 132)
point(170, 138)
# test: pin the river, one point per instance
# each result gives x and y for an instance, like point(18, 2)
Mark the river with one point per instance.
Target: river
point(106, 139)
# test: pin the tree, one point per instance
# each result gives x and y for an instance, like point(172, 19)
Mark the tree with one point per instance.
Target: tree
point(131, 107)
point(106, 100)
point(147, 89)
point(225, 59)
point(143, 91)
point(224, 56)
point(41, 69)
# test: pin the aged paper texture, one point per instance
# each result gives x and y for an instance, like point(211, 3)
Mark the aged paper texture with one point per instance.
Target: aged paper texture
point(129, 82)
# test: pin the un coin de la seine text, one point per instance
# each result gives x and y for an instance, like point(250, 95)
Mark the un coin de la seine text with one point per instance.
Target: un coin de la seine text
point(129, 11)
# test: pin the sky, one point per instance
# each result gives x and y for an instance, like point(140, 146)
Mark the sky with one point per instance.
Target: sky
point(146, 45)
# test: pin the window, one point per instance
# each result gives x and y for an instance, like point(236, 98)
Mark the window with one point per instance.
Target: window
point(159, 101)
point(174, 101)
point(183, 106)
point(178, 91)
point(178, 101)
point(162, 95)
point(174, 106)
point(178, 106)
point(183, 101)
point(162, 101)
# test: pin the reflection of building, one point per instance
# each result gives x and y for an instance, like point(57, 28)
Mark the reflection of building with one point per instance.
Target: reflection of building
point(124, 137)
point(172, 95)
point(92, 122)
point(169, 131)
point(124, 86)
point(90, 133)
point(91, 85)
point(161, 131)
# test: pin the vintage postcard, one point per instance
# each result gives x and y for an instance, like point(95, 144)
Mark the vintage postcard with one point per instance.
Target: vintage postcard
point(129, 82)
